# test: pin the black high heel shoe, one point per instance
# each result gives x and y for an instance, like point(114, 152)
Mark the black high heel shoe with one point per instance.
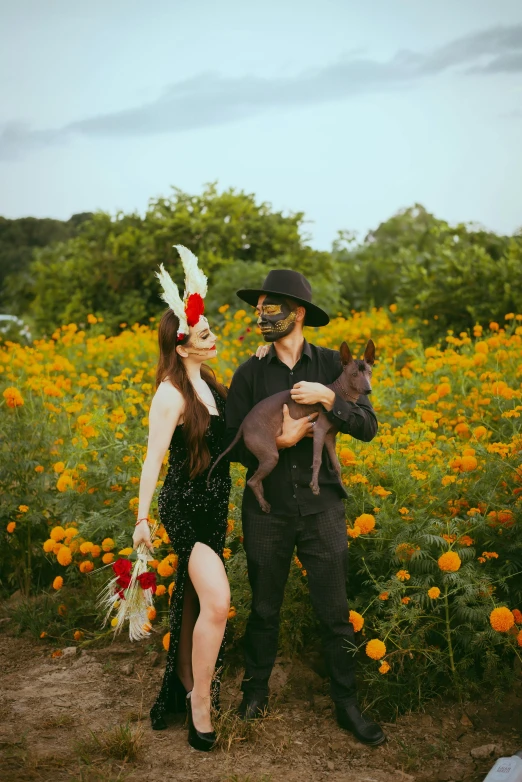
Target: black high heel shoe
point(175, 705)
point(204, 742)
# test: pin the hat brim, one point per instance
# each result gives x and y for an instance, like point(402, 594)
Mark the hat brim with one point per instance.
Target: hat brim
point(315, 316)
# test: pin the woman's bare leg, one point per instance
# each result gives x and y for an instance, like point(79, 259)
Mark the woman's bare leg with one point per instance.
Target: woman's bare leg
point(184, 656)
point(208, 576)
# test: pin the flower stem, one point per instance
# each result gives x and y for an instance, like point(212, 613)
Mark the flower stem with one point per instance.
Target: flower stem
point(448, 629)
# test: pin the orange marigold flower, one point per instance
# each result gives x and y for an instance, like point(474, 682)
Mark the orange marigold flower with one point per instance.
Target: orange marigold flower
point(434, 593)
point(108, 558)
point(403, 575)
point(160, 590)
point(165, 569)
point(151, 613)
point(43, 634)
point(375, 649)
point(59, 467)
point(519, 638)
point(11, 526)
point(365, 522)
point(13, 397)
point(38, 468)
point(78, 635)
point(58, 583)
point(57, 533)
point(449, 561)
point(64, 556)
point(405, 600)
point(231, 612)
point(108, 544)
point(64, 482)
point(57, 653)
point(357, 620)
point(354, 532)
point(230, 526)
point(501, 619)
point(384, 596)
point(518, 616)
point(23, 508)
point(48, 545)
point(62, 609)
point(171, 588)
point(227, 552)
point(166, 641)
point(468, 464)
point(86, 566)
point(384, 667)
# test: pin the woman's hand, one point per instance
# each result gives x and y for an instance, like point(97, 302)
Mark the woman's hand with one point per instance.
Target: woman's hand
point(262, 350)
point(142, 535)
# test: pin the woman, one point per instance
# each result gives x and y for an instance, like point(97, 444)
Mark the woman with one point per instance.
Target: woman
point(187, 417)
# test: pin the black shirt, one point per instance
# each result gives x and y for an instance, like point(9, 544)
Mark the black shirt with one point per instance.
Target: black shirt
point(287, 487)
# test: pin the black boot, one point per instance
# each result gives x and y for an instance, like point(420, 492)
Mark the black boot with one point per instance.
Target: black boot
point(350, 718)
point(252, 707)
point(201, 741)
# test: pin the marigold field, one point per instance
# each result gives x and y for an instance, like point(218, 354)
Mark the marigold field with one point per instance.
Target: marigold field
point(433, 518)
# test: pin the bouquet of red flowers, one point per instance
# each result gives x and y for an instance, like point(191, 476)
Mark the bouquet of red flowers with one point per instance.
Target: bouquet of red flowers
point(130, 592)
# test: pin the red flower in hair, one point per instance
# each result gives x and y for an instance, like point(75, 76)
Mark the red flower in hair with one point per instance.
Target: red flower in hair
point(148, 581)
point(194, 309)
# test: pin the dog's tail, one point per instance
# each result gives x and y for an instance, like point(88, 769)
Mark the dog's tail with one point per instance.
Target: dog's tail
point(236, 439)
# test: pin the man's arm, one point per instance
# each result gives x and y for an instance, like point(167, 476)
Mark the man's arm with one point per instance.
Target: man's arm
point(357, 419)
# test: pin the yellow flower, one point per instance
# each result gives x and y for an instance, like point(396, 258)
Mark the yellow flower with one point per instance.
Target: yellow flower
point(23, 508)
point(11, 526)
point(375, 649)
point(403, 575)
point(58, 583)
point(449, 562)
point(126, 551)
point(114, 621)
point(501, 619)
point(64, 556)
point(59, 467)
point(166, 641)
point(64, 482)
point(365, 522)
point(357, 621)
point(384, 667)
point(434, 593)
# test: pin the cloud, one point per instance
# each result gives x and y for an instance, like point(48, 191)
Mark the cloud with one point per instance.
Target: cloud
point(208, 99)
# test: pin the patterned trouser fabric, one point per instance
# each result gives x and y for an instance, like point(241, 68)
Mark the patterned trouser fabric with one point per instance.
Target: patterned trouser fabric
point(269, 543)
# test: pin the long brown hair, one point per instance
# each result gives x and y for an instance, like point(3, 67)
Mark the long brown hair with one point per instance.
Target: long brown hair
point(196, 415)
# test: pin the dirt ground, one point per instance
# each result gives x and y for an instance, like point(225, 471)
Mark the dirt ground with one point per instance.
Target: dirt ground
point(69, 718)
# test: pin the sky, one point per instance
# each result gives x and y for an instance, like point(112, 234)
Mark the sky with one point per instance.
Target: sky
point(347, 111)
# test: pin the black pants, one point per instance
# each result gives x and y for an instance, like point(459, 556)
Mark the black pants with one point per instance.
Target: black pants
point(269, 543)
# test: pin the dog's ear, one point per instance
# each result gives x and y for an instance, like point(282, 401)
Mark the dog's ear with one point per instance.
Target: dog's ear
point(346, 356)
point(369, 352)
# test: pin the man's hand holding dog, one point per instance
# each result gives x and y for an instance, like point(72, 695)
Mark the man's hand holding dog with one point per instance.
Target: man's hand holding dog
point(294, 430)
point(306, 393)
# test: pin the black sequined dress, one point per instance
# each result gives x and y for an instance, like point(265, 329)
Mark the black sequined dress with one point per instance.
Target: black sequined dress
point(191, 512)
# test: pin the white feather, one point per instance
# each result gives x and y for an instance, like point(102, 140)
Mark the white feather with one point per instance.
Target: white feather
point(170, 295)
point(195, 280)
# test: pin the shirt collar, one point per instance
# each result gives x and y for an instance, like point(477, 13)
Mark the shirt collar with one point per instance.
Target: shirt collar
point(272, 355)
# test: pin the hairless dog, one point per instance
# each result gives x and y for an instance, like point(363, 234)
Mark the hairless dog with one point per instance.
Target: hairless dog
point(264, 422)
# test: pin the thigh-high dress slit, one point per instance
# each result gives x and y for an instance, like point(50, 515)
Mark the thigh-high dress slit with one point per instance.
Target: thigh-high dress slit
point(191, 513)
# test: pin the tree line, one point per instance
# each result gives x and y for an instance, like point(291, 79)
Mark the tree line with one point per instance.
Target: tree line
point(447, 277)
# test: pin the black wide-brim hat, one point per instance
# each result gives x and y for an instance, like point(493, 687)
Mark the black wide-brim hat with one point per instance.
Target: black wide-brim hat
point(293, 285)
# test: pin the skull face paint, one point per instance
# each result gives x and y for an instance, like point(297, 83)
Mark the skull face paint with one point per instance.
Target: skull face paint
point(276, 318)
point(202, 342)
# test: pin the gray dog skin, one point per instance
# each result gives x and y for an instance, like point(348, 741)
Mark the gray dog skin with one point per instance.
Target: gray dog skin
point(263, 424)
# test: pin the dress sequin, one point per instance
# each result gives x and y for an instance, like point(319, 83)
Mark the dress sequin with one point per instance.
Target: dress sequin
point(191, 512)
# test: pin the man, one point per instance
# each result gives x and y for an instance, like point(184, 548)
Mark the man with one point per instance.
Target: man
point(315, 524)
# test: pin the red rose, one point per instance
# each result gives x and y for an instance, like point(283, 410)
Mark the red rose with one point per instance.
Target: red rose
point(123, 580)
point(122, 567)
point(148, 581)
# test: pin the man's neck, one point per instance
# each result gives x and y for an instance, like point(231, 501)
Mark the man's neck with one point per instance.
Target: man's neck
point(290, 348)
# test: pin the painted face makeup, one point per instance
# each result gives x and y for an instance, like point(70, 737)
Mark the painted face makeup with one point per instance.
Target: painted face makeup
point(202, 341)
point(276, 318)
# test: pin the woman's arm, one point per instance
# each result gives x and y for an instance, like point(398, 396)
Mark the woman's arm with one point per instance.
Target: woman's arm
point(165, 411)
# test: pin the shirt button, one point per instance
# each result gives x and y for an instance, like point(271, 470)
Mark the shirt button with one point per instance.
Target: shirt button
point(338, 412)
point(291, 373)
point(293, 495)
point(294, 466)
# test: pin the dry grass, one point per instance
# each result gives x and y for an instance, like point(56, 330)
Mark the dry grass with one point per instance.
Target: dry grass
point(122, 742)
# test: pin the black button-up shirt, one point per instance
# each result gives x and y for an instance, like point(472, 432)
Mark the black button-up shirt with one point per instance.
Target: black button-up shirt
point(287, 487)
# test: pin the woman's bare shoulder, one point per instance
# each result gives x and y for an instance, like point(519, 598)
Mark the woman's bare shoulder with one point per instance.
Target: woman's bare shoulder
point(167, 395)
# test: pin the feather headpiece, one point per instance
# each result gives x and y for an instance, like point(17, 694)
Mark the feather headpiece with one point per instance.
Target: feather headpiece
point(191, 307)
